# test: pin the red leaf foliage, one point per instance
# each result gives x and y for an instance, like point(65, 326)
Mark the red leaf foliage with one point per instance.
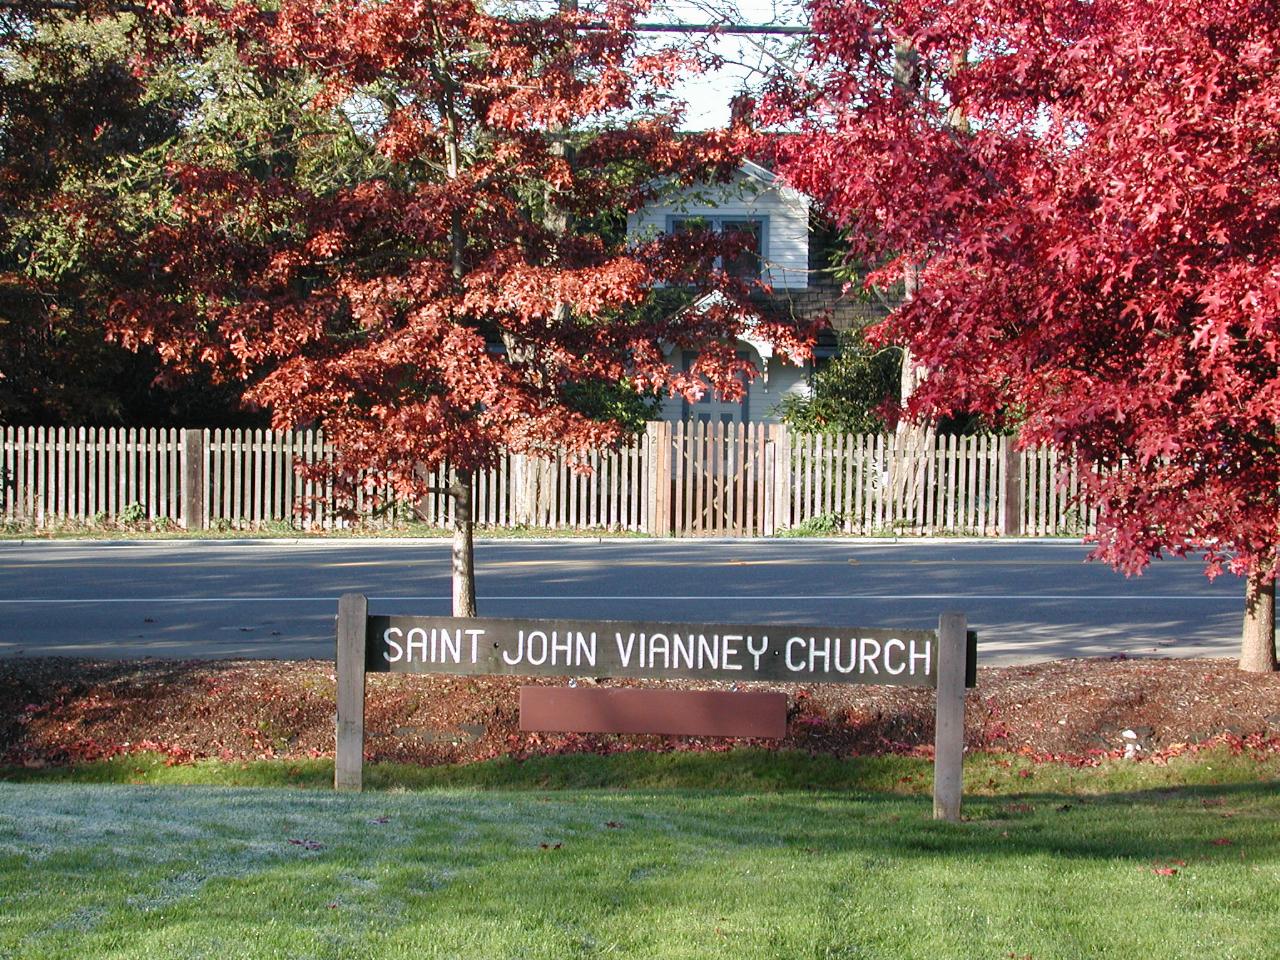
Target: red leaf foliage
point(458, 295)
point(1094, 192)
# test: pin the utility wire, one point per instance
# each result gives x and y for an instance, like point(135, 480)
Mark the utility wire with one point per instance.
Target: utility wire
point(778, 29)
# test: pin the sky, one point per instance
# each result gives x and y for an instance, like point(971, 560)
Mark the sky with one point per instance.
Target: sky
point(745, 57)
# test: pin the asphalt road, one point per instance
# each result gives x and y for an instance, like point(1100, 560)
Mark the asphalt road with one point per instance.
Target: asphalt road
point(1027, 600)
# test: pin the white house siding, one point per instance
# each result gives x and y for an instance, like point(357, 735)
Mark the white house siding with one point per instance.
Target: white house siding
point(785, 213)
point(764, 395)
point(785, 379)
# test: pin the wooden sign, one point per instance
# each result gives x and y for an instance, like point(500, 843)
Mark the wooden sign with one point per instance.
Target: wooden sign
point(944, 659)
point(652, 650)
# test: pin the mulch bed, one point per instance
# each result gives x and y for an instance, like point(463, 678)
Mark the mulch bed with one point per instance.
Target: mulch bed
point(59, 711)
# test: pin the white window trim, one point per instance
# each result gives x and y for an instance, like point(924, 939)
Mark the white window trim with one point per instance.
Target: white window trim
point(718, 220)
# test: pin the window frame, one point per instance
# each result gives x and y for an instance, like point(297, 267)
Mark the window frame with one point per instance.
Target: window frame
point(717, 222)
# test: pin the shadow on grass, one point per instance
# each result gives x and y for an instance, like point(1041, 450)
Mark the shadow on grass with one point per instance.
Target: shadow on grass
point(1188, 823)
point(750, 770)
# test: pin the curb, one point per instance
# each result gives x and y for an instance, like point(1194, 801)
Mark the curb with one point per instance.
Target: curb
point(853, 542)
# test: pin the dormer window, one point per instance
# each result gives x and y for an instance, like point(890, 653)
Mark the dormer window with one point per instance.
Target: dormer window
point(748, 233)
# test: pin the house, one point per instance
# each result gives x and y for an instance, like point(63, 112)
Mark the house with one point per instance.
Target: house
point(788, 248)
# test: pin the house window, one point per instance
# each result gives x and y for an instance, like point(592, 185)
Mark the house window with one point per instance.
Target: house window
point(745, 263)
point(748, 233)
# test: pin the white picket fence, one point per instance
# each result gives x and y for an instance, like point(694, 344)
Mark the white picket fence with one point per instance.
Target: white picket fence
point(872, 485)
point(684, 479)
point(50, 475)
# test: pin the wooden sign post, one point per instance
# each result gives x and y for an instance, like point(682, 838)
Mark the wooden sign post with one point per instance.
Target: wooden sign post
point(353, 618)
point(948, 713)
point(944, 659)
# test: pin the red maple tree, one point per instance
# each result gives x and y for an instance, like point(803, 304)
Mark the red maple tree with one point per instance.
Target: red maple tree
point(453, 290)
point(1093, 192)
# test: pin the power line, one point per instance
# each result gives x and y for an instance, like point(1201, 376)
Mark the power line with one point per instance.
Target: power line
point(768, 29)
point(772, 29)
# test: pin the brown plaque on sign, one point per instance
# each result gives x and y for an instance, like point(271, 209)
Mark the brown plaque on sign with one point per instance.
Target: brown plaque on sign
point(688, 713)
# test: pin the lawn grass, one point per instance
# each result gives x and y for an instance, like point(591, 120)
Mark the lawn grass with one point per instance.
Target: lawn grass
point(988, 774)
point(1129, 861)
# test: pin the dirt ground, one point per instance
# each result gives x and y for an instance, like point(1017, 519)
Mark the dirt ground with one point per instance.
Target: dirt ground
point(57, 711)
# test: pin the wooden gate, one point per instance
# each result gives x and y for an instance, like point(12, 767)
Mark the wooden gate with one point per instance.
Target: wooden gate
point(721, 478)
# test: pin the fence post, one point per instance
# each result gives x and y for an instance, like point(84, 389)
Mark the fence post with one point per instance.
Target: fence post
point(193, 479)
point(782, 469)
point(764, 483)
point(666, 475)
point(348, 758)
point(658, 472)
point(651, 478)
point(543, 500)
point(522, 508)
point(1010, 488)
point(948, 737)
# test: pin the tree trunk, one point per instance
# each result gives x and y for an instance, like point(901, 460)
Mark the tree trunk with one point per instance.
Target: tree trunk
point(915, 439)
point(1258, 643)
point(906, 78)
point(904, 476)
point(464, 557)
point(530, 483)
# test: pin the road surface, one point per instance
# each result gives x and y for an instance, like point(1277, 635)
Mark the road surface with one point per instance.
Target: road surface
point(277, 599)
